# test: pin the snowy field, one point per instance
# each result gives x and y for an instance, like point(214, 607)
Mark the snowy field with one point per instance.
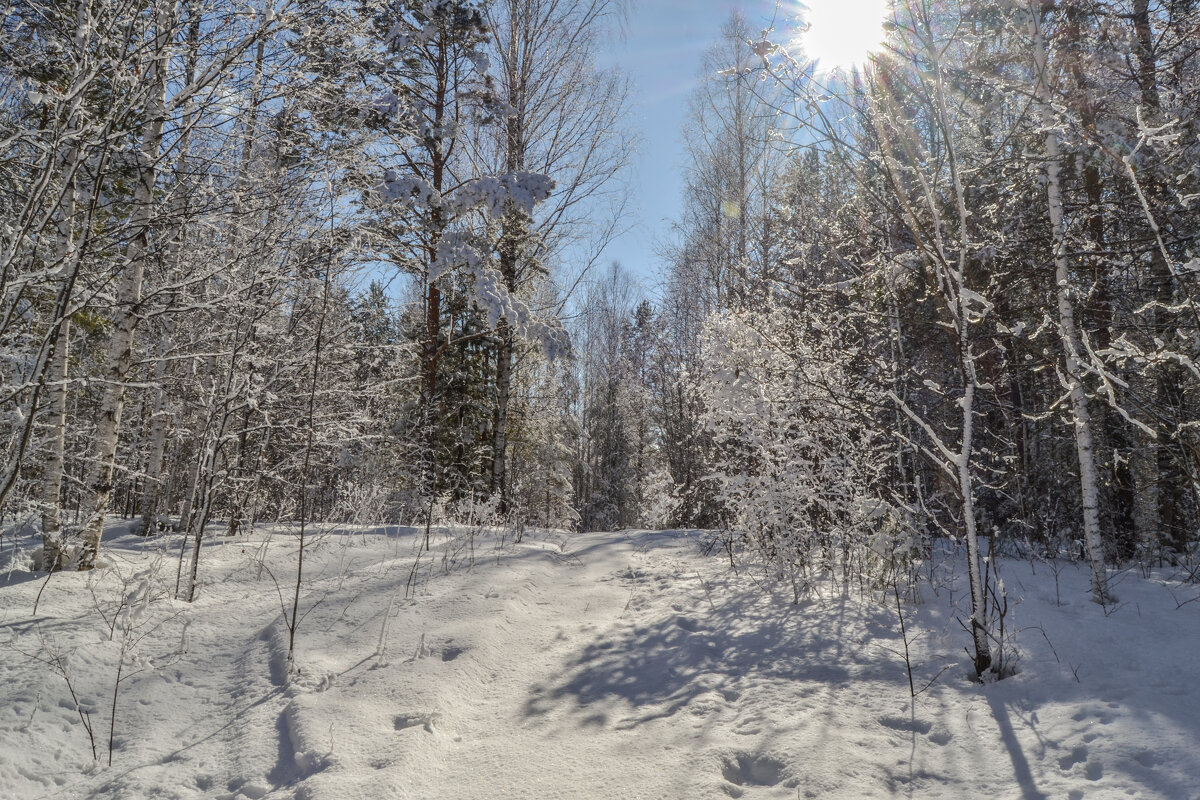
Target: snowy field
point(606, 665)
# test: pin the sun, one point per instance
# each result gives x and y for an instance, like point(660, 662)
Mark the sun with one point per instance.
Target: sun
point(842, 34)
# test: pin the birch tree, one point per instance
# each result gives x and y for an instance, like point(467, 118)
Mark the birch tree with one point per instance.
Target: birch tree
point(161, 34)
point(1068, 331)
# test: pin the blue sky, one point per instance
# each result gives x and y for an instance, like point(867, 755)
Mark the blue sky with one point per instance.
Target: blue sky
point(661, 53)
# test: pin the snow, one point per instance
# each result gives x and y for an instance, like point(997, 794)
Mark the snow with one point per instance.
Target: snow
point(492, 193)
point(607, 665)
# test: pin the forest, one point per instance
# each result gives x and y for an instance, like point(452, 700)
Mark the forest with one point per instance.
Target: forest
point(297, 266)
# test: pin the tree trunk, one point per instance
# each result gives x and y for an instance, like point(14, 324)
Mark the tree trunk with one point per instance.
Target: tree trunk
point(1157, 483)
point(1068, 332)
point(955, 282)
point(158, 445)
point(504, 362)
point(99, 480)
point(153, 489)
point(52, 548)
point(56, 378)
point(433, 295)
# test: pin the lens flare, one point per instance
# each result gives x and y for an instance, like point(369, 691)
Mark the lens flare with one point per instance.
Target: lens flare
point(842, 34)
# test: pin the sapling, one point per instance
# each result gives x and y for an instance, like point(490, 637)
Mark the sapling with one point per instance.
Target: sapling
point(1181, 603)
point(58, 662)
point(706, 592)
point(904, 637)
point(132, 621)
point(410, 586)
point(1004, 663)
point(293, 620)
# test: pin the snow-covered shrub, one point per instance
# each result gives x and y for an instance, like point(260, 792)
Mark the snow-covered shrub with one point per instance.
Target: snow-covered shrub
point(798, 461)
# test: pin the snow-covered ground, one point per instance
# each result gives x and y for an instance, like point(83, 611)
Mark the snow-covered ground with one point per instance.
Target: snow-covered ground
point(606, 665)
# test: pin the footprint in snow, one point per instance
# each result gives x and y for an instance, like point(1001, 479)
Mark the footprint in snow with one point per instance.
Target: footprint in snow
point(748, 769)
point(750, 726)
point(906, 724)
point(1077, 756)
point(424, 720)
point(1102, 716)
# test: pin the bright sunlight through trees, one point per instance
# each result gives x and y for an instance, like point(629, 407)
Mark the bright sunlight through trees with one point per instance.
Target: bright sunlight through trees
point(843, 33)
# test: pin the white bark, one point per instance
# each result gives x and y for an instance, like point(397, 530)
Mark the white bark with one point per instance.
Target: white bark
point(158, 445)
point(958, 279)
point(1068, 332)
point(56, 378)
point(199, 459)
point(99, 480)
point(952, 284)
point(56, 418)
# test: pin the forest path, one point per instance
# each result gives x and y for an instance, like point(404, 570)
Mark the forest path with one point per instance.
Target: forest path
point(471, 699)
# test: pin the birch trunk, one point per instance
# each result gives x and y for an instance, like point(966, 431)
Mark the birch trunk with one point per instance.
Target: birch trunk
point(99, 480)
point(193, 484)
point(158, 445)
point(56, 417)
point(239, 499)
point(153, 490)
point(201, 524)
point(957, 283)
point(52, 546)
point(1068, 332)
point(955, 292)
point(56, 386)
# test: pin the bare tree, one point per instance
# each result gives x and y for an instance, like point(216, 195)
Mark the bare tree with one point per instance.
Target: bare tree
point(562, 119)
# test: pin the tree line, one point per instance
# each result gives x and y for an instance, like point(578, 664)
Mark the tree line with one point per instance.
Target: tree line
point(949, 294)
point(297, 259)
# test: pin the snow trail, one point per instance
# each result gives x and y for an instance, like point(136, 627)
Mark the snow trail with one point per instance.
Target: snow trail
point(596, 665)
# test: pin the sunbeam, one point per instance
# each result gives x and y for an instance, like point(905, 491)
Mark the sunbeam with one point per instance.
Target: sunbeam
point(842, 34)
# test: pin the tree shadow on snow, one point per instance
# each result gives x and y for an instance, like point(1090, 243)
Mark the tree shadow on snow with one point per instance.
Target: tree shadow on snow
point(660, 666)
point(1021, 770)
